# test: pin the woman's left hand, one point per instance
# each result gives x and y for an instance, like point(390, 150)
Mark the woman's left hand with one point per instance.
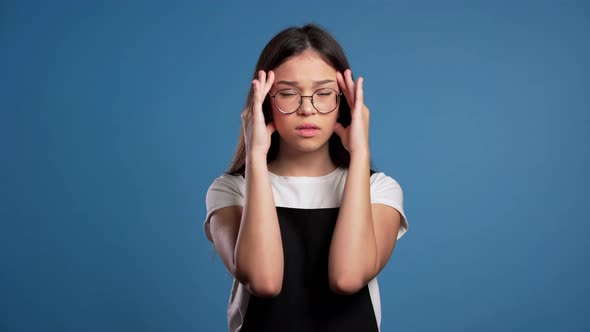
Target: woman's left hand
point(355, 137)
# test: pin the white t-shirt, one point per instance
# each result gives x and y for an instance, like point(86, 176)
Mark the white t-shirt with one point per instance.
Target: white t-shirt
point(302, 193)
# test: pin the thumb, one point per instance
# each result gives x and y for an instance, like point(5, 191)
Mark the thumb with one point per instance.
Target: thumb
point(339, 129)
point(270, 127)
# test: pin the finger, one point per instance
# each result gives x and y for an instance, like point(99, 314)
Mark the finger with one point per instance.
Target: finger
point(255, 90)
point(269, 81)
point(262, 79)
point(345, 90)
point(257, 102)
point(350, 84)
point(246, 116)
point(359, 94)
point(250, 106)
point(270, 127)
point(342, 85)
point(339, 130)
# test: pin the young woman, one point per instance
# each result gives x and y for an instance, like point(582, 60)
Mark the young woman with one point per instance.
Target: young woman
point(300, 220)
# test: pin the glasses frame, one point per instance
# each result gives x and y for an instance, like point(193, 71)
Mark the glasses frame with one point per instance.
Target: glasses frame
point(338, 97)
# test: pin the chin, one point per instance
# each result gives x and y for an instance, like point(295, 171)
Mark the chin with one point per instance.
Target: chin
point(307, 144)
point(307, 148)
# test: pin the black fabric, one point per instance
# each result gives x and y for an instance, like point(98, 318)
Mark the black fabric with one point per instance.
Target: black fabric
point(306, 302)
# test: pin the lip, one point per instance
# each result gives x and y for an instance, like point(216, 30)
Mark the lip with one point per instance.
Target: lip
point(308, 126)
point(307, 132)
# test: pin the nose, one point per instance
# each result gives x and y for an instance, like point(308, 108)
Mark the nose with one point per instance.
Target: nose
point(306, 107)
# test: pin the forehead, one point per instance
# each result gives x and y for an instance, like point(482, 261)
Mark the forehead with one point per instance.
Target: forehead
point(307, 66)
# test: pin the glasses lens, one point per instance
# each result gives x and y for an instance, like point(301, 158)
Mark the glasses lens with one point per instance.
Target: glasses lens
point(287, 100)
point(325, 100)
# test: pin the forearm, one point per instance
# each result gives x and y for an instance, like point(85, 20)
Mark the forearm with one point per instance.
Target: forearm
point(353, 251)
point(259, 249)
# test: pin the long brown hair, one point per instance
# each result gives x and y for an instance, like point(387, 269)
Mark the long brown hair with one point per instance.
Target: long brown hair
point(287, 43)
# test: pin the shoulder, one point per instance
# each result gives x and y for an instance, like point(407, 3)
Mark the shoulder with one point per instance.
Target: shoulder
point(386, 190)
point(226, 189)
point(381, 181)
point(227, 182)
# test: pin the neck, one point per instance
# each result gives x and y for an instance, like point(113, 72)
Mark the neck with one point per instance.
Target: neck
point(290, 162)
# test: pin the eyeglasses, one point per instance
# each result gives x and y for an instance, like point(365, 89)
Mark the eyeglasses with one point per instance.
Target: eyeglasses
point(324, 100)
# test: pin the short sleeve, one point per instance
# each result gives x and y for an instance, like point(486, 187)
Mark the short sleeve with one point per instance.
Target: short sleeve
point(385, 190)
point(225, 191)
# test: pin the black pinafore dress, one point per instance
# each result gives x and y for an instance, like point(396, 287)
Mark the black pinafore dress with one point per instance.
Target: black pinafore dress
point(306, 302)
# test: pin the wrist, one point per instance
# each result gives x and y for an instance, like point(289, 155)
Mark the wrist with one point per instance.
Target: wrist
point(360, 156)
point(256, 161)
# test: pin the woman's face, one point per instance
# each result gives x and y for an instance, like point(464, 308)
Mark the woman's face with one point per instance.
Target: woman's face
point(305, 73)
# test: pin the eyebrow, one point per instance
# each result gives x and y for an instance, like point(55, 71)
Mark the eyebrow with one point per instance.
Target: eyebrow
point(315, 83)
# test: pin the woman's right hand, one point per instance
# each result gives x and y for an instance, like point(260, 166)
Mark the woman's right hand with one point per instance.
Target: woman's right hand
point(256, 133)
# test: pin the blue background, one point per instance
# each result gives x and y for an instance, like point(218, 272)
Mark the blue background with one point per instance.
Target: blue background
point(117, 116)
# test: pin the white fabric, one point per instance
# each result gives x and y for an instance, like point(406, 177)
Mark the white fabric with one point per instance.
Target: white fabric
point(304, 193)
